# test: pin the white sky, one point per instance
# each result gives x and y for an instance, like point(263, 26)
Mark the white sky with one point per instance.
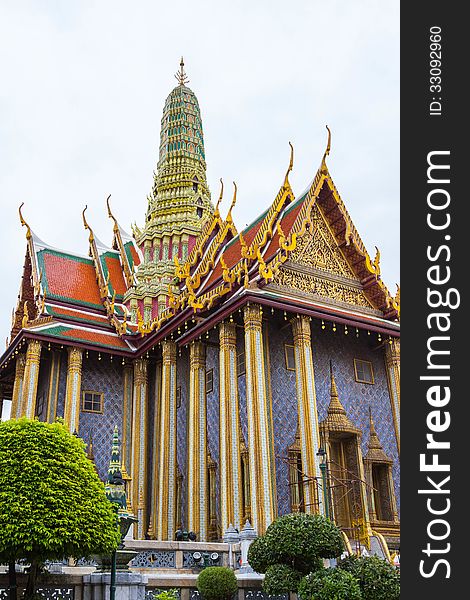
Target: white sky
point(82, 91)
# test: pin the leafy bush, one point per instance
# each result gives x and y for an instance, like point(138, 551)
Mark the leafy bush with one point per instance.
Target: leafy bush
point(281, 579)
point(217, 583)
point(329, 584)
point(171, 594)
point(378, 579)
point(260, 556)
point(300, 539)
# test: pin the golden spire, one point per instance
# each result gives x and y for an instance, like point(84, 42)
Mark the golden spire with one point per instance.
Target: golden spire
point(336, 419)
point(375, 450)
point(181, 75)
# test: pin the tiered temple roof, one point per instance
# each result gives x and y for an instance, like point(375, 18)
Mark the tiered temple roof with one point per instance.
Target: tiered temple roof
point(98, 301)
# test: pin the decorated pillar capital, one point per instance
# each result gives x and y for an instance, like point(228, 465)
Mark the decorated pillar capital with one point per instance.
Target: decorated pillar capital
point(228, 335)
point(253, 316)
point(168, 352)
point(140, 371)
point(301, 330)
point(31, 376)
point(197, 355)
point(75, 356)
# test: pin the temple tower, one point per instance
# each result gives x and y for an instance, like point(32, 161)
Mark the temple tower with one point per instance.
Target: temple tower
point(178, 205)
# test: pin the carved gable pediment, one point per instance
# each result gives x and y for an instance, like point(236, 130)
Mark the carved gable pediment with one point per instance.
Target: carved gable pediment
point(318, 249)
point(318, 270)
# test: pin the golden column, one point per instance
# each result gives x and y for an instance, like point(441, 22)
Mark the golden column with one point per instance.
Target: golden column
point(15, 411)
point(127, 382)
point(307, 410)
point(231, 494)
point(73, 389)
point(167, 455)
point(392, 362)
point(31, 376)
point(262, 468)
point(197, 442)
point(139, 446)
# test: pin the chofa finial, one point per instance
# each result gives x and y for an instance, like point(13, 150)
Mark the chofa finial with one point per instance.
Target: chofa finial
point(291, 164)
point(220, 195)
point(181, 75)
point(328, 145)
point(23, 222)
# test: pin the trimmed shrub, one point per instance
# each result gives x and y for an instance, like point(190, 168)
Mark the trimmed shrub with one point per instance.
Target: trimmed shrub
point(260, 556)
point(281, 579)
point(378, 579)
point(300, 539)
point(217, 583)
point(329, 584)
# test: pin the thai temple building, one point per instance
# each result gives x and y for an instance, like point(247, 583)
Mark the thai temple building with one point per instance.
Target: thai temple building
point(250, 372)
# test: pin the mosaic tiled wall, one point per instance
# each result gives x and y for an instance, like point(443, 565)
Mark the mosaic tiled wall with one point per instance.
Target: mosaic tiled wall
point(62, 384)
point(355, 397)
point(102, 376)
point(43, 385)
point(182, 380)
point(284, 403)
point(213, 410)
point(151, 441)
point(242, 388)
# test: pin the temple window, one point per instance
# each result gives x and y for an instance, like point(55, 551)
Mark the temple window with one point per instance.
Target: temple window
point(209, 381)
point(289, 356)
point(241, 362)
point(296, 488)
point(41, 406)
point(195, 184)
point(92, 402)
point(199, 211)
point(363, 371)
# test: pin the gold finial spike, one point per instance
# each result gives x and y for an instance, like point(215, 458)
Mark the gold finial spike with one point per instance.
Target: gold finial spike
point(85, 224)
point(291, 164)
point(23, 222)
point(328, 145)
point(111, 216)
point(181, 76)
point(220, 195)
point(234, 200)
point(333, 390)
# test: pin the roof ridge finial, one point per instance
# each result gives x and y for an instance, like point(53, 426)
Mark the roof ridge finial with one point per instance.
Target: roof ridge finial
point(220, 195)
point(328, 146)
point(291, 164)
point(23, 222)
point(111, 216)
point(181, 74)
point(85, 224)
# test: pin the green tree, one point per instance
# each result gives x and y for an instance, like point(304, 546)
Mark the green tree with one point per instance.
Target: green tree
point(298, 541)
point(52, 503)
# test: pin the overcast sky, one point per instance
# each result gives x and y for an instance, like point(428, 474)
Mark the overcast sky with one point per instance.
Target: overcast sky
point(82, 91)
